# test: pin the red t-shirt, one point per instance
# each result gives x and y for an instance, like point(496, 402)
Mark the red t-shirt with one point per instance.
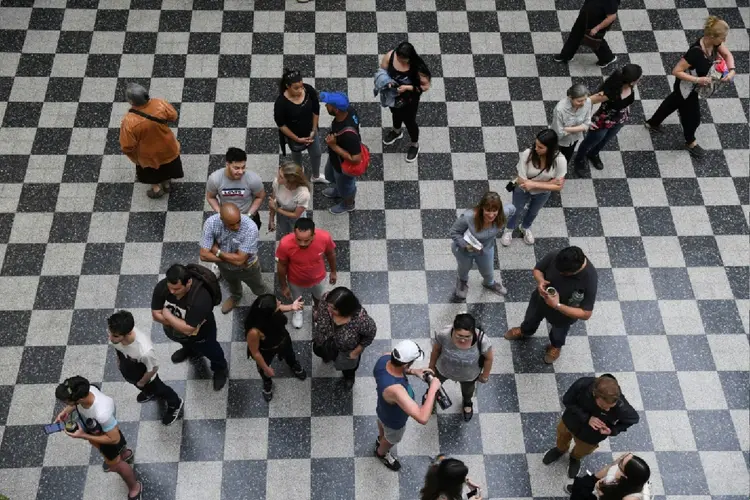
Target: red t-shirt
point(306, 265)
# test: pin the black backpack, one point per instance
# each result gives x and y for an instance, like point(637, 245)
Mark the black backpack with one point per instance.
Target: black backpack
point(208, 279)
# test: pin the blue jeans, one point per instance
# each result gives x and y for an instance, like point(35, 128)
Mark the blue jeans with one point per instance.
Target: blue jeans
point(593, 143)
point(345, 185)
point(520, 199)
point(485, 263)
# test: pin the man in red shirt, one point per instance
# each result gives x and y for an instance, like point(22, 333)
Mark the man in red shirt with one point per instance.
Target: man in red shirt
point(300, 265)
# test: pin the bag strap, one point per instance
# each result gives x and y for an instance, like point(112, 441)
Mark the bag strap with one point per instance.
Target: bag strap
point(147, 116)
point(348, 129)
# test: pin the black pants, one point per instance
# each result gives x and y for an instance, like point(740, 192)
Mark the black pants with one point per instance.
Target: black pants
point(603, 53)
point(688, 109)
point(568, 151)
point(467, 388)
point(133, 371)
point(534, 317)
point(285, 352)
point(208, 347)
point(349, 374)
point(407, 115)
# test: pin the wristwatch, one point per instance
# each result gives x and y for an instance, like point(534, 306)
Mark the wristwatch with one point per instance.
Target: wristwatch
point(218, 252)
point(558, 306)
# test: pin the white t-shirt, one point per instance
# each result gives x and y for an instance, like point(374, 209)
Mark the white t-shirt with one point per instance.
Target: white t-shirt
point(527, 170)
point(141, 350)
point(103, 410)
point(287, 199)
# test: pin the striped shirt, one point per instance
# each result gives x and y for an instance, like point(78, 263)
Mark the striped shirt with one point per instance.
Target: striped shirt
point(245, 239)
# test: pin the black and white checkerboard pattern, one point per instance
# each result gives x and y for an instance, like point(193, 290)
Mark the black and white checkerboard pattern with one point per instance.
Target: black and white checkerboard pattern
point(668, 234)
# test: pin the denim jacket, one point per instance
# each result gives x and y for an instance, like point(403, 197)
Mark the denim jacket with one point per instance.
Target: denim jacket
point(386, 87)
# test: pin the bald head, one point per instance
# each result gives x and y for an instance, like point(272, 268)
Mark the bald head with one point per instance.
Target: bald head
point(136, 94)
point(230, 216)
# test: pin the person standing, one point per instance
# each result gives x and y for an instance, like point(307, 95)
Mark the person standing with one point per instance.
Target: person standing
point(268, 338)
point(235, 184)
point(230, 239)
point(473, 235)
point(396, 398)
point(413, 78)
point(592, 23)
point(342, 330)
point(572, 118)
point(446, 479)
point(296, 113)
point(344, 144)
point(138, 364)
point(541, 170)
point(300, 266)
point(290, 199)
point(183, 304)
point(147, 140)
point(92, 415)
point(566, 292)
point(692, 74)
point(595, 409)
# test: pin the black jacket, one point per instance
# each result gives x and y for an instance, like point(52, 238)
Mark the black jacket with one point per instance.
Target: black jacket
point(580, 405)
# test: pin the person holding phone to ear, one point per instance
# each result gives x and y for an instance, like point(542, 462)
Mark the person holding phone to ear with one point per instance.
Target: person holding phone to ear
point(447, 479)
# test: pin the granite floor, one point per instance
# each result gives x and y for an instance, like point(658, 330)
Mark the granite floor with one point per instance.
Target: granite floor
point(668, 234)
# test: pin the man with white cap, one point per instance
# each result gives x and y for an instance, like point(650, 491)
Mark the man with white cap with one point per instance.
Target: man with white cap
point(396, 398)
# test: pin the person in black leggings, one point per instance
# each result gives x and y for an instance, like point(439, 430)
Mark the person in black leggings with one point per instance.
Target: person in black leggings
point(413, 77)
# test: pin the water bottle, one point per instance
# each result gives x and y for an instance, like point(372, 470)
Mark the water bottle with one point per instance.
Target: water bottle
point(441, 396)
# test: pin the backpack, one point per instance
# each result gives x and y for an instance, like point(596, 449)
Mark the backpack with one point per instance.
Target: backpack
point(208, 279)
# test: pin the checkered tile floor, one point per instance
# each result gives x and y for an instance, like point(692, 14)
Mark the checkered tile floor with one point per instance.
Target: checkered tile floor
point(668, 234)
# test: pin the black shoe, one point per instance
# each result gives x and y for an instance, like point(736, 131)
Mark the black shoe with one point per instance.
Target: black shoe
point(412, 154)
point(172, 413)
point(696, 151)
point(143, 397)
point(268, 390)
point(596, 162)
point(392, 136)
point(573, 467)
point(181, 355)
point(299, 372)
point(552, 456)
point(569, 489)
point(560, 59)
point(389, 460)
point(607, 63)
point(349, 383)
point(653, 128)
point(470, 413)
point(220, 380)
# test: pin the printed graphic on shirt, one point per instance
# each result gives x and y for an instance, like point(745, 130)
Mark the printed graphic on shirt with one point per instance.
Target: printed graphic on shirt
point(176, 310)
point(232, 193)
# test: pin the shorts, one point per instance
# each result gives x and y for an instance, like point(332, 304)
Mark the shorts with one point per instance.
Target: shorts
point(112, 451)
point(316, 290)
point(393, 436)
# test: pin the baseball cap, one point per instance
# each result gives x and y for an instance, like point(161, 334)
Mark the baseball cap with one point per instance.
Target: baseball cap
point(338, 100)
point(407, 351)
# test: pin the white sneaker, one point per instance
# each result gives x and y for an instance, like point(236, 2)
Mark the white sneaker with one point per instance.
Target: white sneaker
point(319, 180)
point(215, 270)
point(506, 238)
point(297, 319)
point(528, 238)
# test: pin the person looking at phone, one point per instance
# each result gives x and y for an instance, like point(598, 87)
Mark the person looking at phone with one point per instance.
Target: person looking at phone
point(446, 479)
point(396, 398)
point(565, 293)
point(98, 425)
point(625, 479)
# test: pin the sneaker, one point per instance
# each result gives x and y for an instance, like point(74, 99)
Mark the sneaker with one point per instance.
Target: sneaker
point(412, 154)
point(268, 390)
point(551, 354)
point(341, 208)
point(596, 162)
point(560, 59)
point(215, 269)
point(652, 128)
point(331, 192)
point(349, 383)
point(181, 355)
point(297, 319)
point(319, 180)
point(389, 460)
point(228, 305)
point(696, 151)
point(506, 238)
point(573, 467)
point(143, 397)
point(496, 288)
point(172, 413)
point(299, 372)
point(528, 236)
point(552, 455)
point(569, 489)
point(514, 334)
point(220, 380)
point(462, 290)
point(392, 136)
point(605, 64)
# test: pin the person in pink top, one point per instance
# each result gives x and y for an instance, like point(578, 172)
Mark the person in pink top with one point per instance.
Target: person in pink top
point(300, 265)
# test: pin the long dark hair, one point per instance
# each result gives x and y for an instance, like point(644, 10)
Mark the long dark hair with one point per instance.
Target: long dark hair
point(289, 77)
point(344, 300)
point(491, 200)
point(263, 315)
point(445, 477)
point(635, 475)
point(549, 139)
point(628, 74)
point(417, 65)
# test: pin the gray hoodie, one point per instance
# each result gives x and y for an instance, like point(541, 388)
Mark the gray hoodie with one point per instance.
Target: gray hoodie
point(567, 116)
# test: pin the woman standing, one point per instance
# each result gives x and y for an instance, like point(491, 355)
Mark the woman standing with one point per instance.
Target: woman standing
point(692, 75)
point(296, 113)
point(290, 199)
point(541, 170)
point(412, 76)
point(462, 353)
point(618, 93)
point(446, 479)
point(626, 479)
point(473, 236)
point(267, 338)
point(341, 331)
point(571, 118)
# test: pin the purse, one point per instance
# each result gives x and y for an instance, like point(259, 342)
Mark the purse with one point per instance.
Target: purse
point(356, 169)
point(327, 350)
point(593, 42)
point(482, 357)
point(512, 184)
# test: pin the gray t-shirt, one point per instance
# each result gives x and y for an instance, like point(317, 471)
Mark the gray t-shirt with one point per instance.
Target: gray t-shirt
point(457, 364)
point(241, 192)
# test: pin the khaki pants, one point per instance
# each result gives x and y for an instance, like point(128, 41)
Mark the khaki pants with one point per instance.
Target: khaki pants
point(580, 449)
point(250, 275)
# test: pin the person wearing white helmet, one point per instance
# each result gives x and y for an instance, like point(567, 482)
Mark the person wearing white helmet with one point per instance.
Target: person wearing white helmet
point(396, 398)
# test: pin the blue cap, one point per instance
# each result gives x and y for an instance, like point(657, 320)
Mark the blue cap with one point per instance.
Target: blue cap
point(338, 100)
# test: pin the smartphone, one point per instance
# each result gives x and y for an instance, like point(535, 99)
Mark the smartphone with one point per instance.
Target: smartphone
point(473, 493)
point(53, 428)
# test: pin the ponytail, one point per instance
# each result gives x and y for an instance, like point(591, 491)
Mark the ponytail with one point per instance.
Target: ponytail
point(715, 27)
point(289, 77)
point(73, 389)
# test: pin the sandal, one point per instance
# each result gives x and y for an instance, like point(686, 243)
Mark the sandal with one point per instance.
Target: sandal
point(140, 493)
point(166, 186)
point(154, 194)
point(470, 413)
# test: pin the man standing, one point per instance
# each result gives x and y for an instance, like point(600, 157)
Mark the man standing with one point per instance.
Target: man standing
point(138, 364)
point(184, 305)
point(566, 292)
point(148, 141)
point(396, 398)
point(593, 21)
point(344, 144)
point(230, 239)
point(594, 410)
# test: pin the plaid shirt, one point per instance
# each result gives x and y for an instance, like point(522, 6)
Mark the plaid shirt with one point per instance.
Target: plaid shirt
point(245, 239)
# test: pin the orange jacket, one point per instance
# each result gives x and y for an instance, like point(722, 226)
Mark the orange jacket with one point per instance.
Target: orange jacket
point(146, 142)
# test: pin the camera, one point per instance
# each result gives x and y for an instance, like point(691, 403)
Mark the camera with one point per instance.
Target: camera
point(441, 396)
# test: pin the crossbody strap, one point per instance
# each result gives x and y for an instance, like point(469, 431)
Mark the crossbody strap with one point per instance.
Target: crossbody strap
point(148, 117)
point(349, 129)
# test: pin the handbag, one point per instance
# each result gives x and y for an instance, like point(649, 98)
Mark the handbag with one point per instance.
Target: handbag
point(356, 169)
point(512, 184)
point(482, 357)
point(593, 42)
point(326, 351)
point(344, 362)
point(256, 218)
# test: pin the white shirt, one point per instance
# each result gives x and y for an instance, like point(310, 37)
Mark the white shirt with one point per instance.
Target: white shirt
point(290, 199)
point(527, 170)
point(102, 411)
point(141, 350)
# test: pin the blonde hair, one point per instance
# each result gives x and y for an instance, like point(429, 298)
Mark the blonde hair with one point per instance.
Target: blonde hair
point(715, 27)
point(294, 176)
point(490, 201)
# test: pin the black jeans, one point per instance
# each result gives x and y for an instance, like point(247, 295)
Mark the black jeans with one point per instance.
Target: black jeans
point(207, 346)
point(285, 351)
point(603, 53)
point(568, 151)
point(407, 115)
point(689, 111)
point(132, 371)
point(467, 388)
point(534, 317)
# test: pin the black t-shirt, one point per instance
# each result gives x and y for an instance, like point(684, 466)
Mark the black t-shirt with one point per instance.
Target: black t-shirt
point(598, 10)
point(697, 59)
point(615, 101)
point(298, 117)
point(578, 290)
point(350, 142)
point(194, 307)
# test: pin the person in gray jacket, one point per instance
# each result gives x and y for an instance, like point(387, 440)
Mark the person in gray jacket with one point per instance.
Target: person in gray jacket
point(572, 118)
